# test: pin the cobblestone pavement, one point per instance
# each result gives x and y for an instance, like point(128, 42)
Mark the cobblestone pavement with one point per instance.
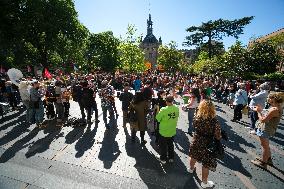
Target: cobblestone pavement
point(91, 157)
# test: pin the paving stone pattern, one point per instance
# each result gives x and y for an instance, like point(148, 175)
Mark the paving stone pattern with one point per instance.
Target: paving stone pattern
point(91, 157)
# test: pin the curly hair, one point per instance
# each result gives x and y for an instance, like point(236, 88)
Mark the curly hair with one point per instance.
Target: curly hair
point(206, 110)
point(277, 96)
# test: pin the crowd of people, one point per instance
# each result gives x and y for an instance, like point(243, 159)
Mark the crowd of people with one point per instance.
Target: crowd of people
point(143, 109)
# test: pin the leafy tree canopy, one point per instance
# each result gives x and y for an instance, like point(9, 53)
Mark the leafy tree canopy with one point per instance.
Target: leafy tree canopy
point(215, 30)
point(170, 57)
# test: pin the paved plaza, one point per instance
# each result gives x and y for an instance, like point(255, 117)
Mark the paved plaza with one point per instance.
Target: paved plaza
point(91, 157)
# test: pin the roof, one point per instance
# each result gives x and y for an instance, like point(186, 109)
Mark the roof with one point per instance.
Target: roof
point(150, 38)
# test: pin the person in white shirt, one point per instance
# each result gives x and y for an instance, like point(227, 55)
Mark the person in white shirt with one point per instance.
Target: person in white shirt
point(24, 89)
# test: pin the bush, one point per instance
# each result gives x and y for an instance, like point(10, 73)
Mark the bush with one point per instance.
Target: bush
point(274, 76)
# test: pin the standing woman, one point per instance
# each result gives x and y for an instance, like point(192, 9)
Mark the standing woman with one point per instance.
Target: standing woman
point(206, 126)
point(141, 107)
point(241, 99)
point(191, 107)
point(267, 125)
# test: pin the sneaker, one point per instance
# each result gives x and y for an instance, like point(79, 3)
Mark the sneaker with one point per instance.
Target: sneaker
point(171, 160)
point(252, 132)
point(190, 170)
point(162, 161)
point(209, 184)
point(143, 142)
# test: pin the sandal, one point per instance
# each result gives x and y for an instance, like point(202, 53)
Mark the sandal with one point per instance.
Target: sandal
point(269, 161)
point(259, 163)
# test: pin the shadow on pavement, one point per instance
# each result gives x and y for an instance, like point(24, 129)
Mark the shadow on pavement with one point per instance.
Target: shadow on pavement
point(109, 150)
point(233, 136)
point(86, 140)
point(19, 145)
point(17, 130)
point(43, 144)
point(181, 140)
point(148, 166)
point(16, 114)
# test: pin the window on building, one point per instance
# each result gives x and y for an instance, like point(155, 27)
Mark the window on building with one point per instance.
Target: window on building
point(150, 55)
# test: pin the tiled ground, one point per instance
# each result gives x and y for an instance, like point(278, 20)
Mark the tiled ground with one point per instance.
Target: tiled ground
point(90, 157)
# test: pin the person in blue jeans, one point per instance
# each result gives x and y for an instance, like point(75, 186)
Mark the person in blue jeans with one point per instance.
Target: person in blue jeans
point(37, 112)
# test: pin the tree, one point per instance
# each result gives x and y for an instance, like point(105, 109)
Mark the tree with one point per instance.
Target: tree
point(170, 57)
point(40, 32)
point(103, 51)
point(205, 65)
point(263, 58)
point(215, 30)
point(130, 55)
point(235, 61)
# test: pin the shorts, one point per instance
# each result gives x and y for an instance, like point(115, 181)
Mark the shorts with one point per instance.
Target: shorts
point(263, 134)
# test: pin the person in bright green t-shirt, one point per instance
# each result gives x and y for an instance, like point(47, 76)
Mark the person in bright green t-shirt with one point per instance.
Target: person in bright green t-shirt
point(167, 117)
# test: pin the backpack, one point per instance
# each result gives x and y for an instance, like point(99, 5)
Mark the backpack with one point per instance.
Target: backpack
point(76, 93)
point(132, 115)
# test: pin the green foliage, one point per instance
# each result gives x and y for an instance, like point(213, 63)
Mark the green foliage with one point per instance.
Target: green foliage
point(206, 65)
point(170, 57)
point(215, 30)
point(131, 56)
point(234, 61)
point(274, 76)
point(103, 51)
point(263, 58)
point(41, 32)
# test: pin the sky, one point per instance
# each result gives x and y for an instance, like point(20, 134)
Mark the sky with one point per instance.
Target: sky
point(172, 17)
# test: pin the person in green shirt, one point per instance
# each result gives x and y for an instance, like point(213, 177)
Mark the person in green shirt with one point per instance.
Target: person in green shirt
point(167, 117)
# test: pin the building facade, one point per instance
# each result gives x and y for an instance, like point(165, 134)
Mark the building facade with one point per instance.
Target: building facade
point(150, 45)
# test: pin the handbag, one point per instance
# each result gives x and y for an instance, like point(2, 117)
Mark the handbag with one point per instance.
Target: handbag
point(216, 149)
point(245, 110)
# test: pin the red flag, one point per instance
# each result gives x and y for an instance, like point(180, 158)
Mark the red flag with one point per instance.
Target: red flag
point(47, 74)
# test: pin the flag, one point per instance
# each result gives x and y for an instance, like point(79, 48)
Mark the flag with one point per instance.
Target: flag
point(47, 74)
point(75, 68)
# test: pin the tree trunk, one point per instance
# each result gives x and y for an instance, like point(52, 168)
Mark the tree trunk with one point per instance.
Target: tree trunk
point(210, 45)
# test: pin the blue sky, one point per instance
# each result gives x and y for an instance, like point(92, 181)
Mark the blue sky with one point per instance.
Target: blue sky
point(172, 17)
